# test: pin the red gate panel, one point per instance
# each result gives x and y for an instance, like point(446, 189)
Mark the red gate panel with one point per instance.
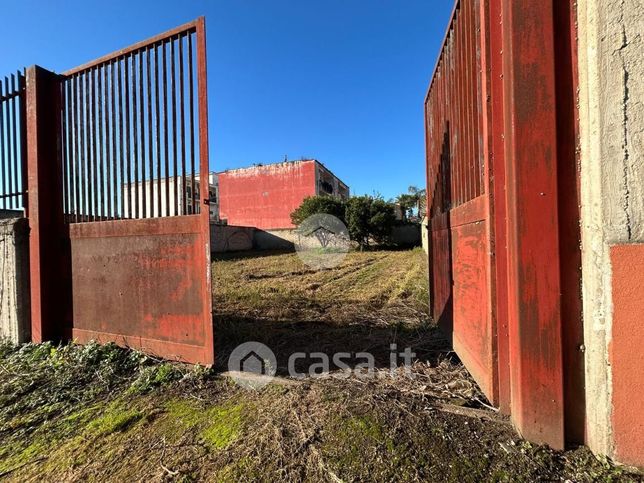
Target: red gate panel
point(472, 329)
point(141, 283)
point(460, 255)
point(131, 174)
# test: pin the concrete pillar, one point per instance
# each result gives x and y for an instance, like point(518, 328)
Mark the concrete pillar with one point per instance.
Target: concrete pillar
point(14, 280)
point(611, 122)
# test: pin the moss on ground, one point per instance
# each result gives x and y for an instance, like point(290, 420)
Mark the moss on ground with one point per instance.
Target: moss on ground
point(217, 426)
point(116, 418)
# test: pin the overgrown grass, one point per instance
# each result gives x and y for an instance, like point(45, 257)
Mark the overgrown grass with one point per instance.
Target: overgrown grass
point(78, 413)
point(366, 286)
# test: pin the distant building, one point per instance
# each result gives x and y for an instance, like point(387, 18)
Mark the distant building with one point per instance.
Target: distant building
point(191, 196)
point(264, 196)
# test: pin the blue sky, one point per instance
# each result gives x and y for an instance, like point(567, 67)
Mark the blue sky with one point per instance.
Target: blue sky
point(342, 81)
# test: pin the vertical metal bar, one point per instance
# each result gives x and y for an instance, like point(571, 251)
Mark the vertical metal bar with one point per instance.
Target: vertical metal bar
point(493, 180)
point(85, 173)
point(148, 53)
point(86, 147)
point(119, 113)
point(3, 166)
point(441, 120)
point(465, 98)
point(452, 87)
point(173, 88)
point(66, 155)
point(23, 141)
point(533, 222)
point(127, 138)
point(192, 125)
point(204, 168)
point(142, 120)
point(471, 94)
point(14, 109)
point(479, 159)
point(449, 90)
point(454, 95)
point(165, 133)
point(184, 205)
point(89, 133)
point(108, 138)
point(472, 127)
point(82, 118)
point(95, 147)
point(49, 296)
point(115, 184)
point(73, 81)
point(462, 134)
point(6, 151)
point(10, 138)
point(135, 138)
point(100, 161)
point(447, 110)
point(158, 127)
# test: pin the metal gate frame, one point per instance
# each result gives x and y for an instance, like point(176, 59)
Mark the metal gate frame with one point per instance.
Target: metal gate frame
point(111, 274)
point(530, 295)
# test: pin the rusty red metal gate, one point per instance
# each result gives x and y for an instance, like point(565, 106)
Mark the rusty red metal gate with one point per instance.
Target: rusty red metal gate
point(13, 160)
point(459, 199)
point(133, 264)
point(504, 217)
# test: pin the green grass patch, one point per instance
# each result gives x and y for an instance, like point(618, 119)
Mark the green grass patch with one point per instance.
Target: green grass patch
point(115, 419)
point(217, 426)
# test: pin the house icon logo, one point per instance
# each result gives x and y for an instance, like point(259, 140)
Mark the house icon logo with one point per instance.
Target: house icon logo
point(252, 365)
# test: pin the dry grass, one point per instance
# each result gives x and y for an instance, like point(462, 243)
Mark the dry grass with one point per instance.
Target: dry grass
point(367, 287)
point(107, 414)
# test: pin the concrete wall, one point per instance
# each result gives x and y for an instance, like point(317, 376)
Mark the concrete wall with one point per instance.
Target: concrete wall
point(275, 239)
point(406, 235)
point(611, 118)
point(11, 214)
point(424, 234)
point(403, 235)
point(228, 238)
point(14, 280)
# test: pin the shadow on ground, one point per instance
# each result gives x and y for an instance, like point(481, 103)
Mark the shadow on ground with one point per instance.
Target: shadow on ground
point(287, 338)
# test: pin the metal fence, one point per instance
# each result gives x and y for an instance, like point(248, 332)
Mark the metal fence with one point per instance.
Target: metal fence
point(13, 182)
point(129, 147)
point(453, 111)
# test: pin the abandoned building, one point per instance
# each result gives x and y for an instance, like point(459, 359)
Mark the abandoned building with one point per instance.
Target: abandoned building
point(264, 196)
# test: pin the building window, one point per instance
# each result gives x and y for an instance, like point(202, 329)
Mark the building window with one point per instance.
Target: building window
point(326, 187)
